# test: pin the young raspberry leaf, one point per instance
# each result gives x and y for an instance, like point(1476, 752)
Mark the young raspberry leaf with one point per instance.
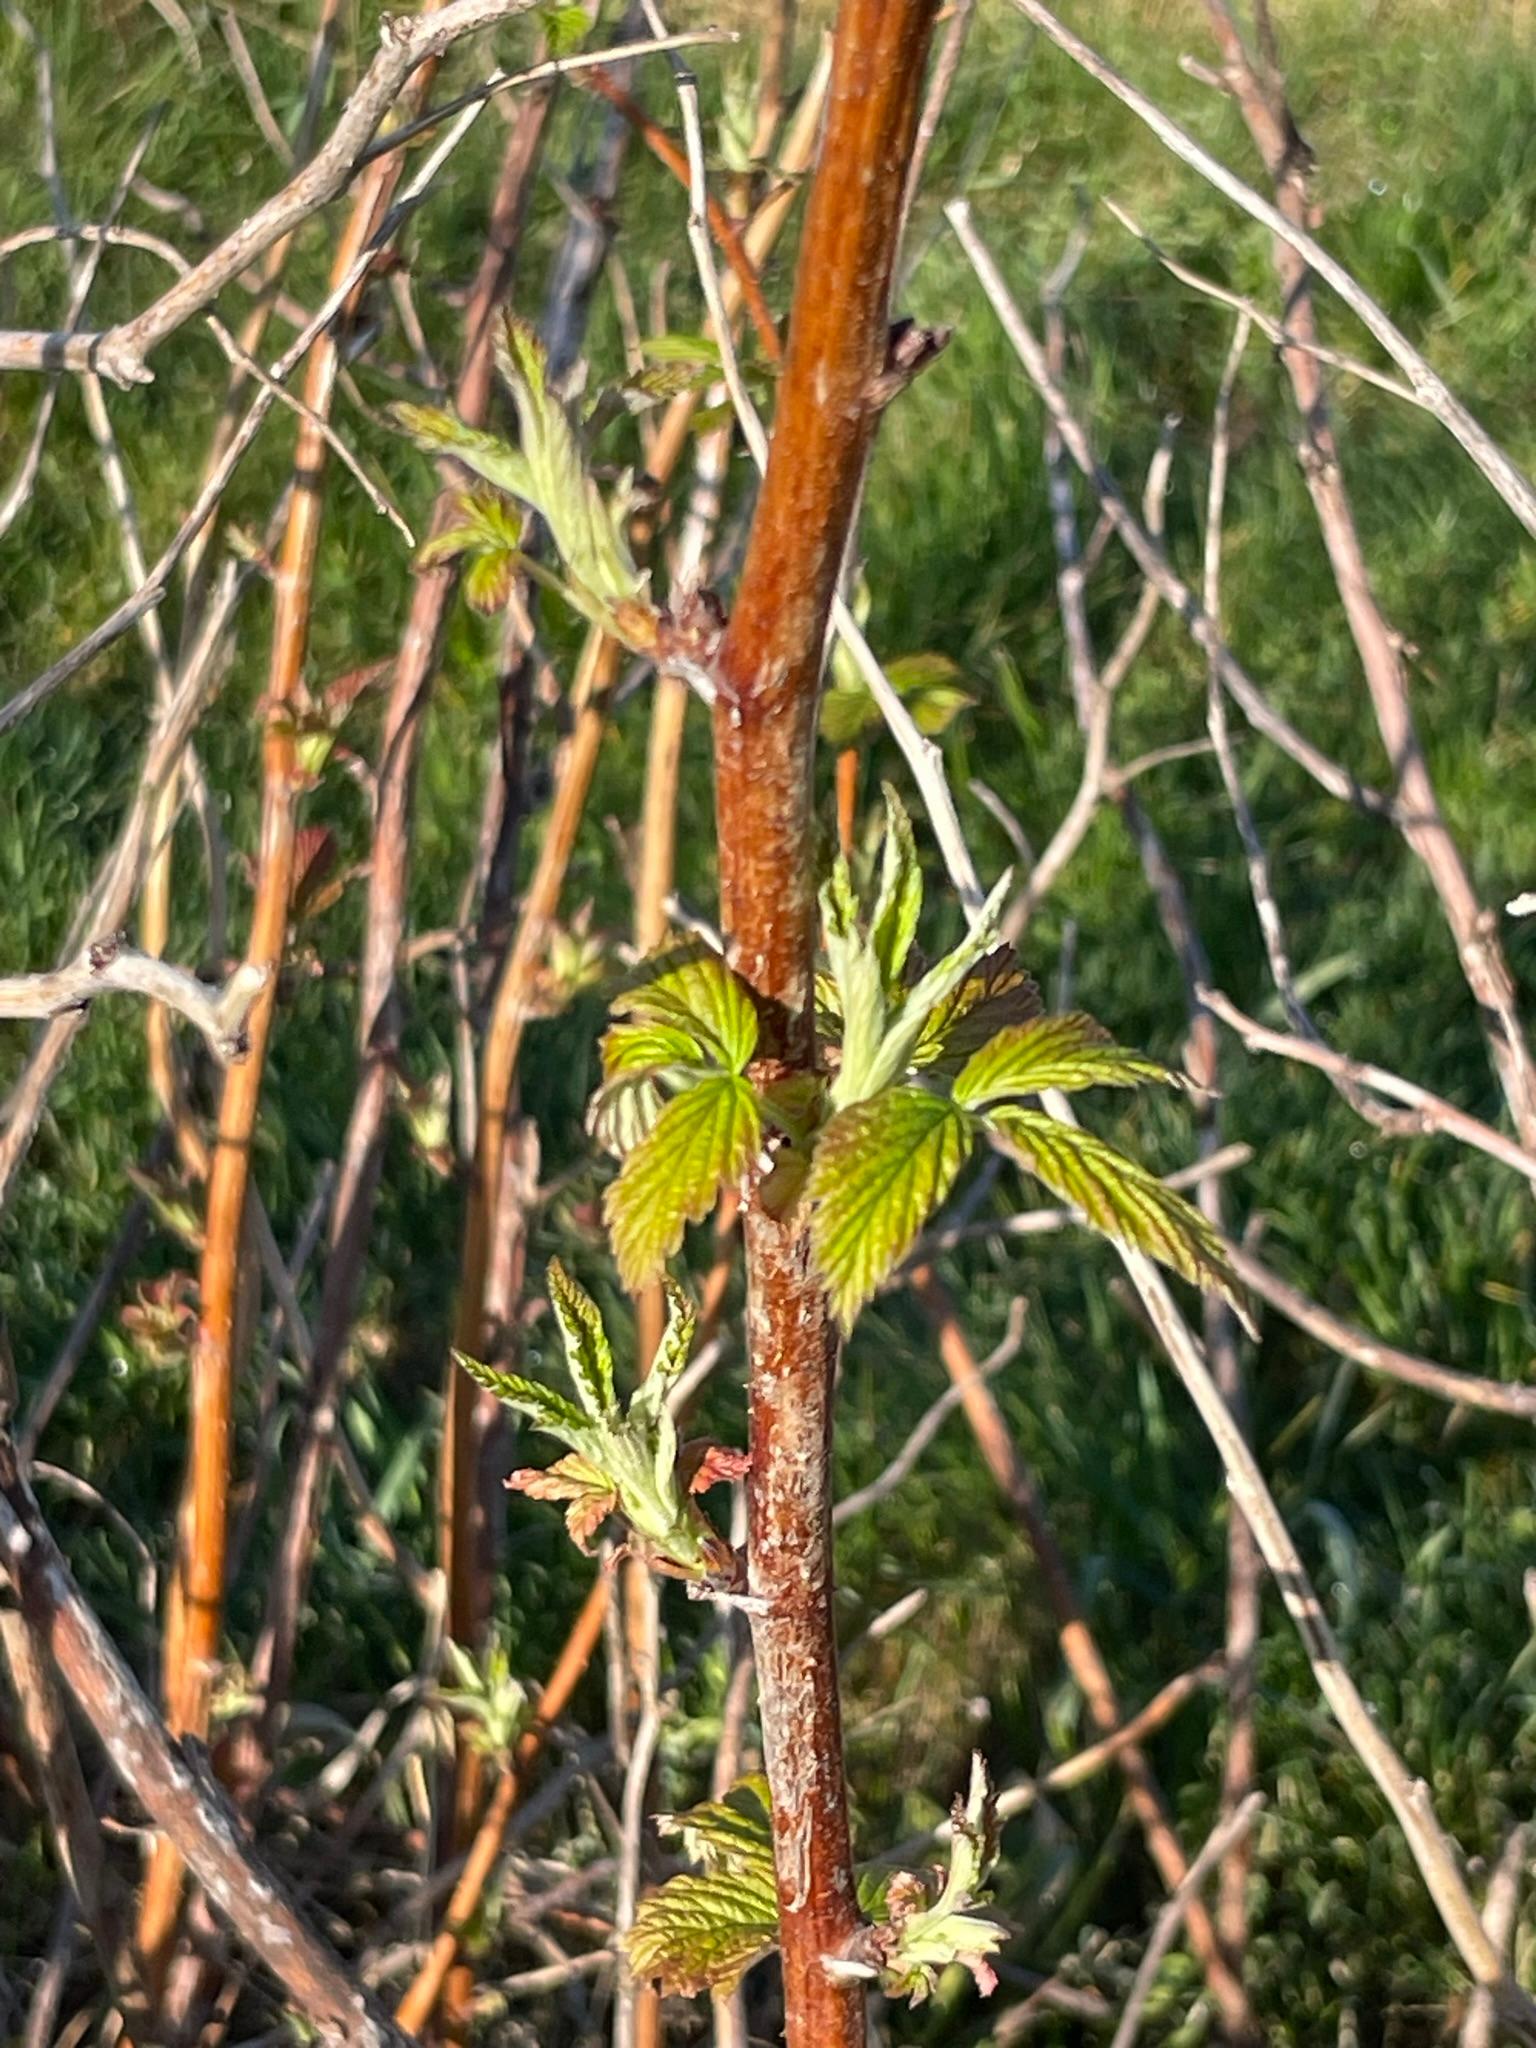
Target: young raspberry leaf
point(701, 1142)
point(1117, 1195)
point(588, 534)
point(704, 1932)
point(860, 999)
point(618, 1461)
point(586, 1343)
point(1068, 1052)
point(923, 1934)
point(995, 994)
point(880, 1169)
point(900, 901)
point(690, 989)
point(544, 1408)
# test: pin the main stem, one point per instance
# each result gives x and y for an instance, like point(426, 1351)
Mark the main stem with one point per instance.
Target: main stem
point(765, 722)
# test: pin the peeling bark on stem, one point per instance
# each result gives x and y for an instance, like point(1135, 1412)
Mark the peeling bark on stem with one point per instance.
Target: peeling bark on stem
point(770, 668)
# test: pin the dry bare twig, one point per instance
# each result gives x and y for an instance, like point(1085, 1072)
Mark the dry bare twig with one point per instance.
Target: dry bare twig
point(108, 967)
point(1505, 475)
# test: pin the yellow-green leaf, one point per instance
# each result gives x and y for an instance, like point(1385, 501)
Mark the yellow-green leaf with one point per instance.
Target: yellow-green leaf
point(689, 987)
point(881, 1167)
point(701, 1142)
point(1071, 1051)
point(1118, 1195)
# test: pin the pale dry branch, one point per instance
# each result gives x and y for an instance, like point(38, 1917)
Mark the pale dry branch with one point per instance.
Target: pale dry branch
point(182, 1801)
point(1409, 1798)
point(110, 968)
point(121, 354)
point(1493, 1397)
point(1282, 336)
point(1171, 1918)
point(1379, 647)
point(153, 590)
point(1144, 551)
point(1429, 1114)
point(1505, 475)
point(112, 891)
point(1500, 1912)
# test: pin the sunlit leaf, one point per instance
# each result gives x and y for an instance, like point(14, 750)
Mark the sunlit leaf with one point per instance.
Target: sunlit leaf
point(544, 1408)
point(900, 900)
point(703, 1932)
point(586, 1342)
point(1070, 1052)
point(700, 1143)
point(880, 1169)
point(1117, 1195)
point(995, 993)
point(690, 987)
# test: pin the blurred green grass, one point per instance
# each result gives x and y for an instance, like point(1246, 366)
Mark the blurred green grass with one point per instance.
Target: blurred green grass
point(1419, 1526)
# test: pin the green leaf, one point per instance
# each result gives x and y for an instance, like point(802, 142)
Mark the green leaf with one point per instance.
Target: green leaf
point(544, 1408)
point(860, 986)
point(899, 1045)
point(900, 901)
point(702, 1141)
point(996, 993)
point(734, 1833)
point(587, 533)
point(880, 1169)
point(922, 1935)
point(439, 433)
point(1068, 1052)
point(699, 349)
point(489, 579)
point(586, 1343)
point(1117, 1195)
point(643, 1046)
point(565, 29)
point(621, 1114)
point(704, 1932)
point(649, 1398)
point(691, 987)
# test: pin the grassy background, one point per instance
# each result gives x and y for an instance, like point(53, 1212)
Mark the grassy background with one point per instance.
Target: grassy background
point(1418, 1525)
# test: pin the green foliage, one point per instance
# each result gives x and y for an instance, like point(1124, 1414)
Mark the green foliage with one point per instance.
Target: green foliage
point(620, 1461)
point(547, 473)
point(487, 1695)
point(877, 1149)
point(689, 1027)
point(881, 1168)
point(703, 1931)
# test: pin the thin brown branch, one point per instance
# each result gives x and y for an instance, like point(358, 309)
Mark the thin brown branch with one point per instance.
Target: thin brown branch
point(187, 1806)
point(379, 1007)
point(420, 2000)
point(1222, 1840)
point(195, 1613)
point(1422, 822)
point(1079, 1648)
